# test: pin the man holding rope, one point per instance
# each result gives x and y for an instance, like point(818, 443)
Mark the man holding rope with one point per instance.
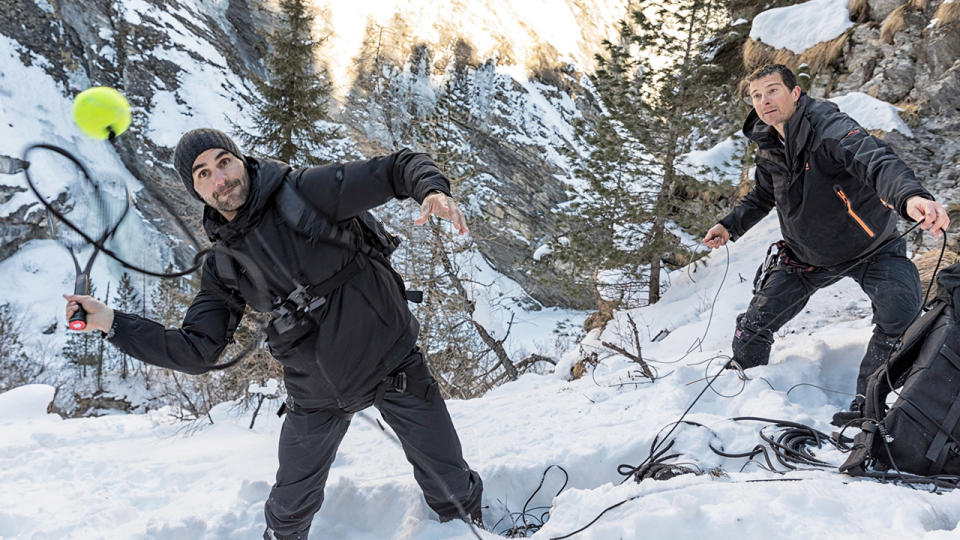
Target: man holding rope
point(838, 193)
point(340, 327)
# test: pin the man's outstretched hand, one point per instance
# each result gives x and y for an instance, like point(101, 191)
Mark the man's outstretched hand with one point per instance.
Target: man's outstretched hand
point(931, 214)
point(99, 316)
point(717, 236)
point(443, 206)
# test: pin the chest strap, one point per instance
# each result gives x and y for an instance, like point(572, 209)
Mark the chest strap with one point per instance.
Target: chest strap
point(305, 299)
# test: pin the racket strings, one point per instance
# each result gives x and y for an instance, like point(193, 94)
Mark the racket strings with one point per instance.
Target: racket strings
point(79, 212)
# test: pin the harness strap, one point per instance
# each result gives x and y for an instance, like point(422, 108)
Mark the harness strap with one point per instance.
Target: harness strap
point(286, 245)
point(345, 274)
point(300, 213)
point(415, 380)
point(303, 300)
point(785, 258)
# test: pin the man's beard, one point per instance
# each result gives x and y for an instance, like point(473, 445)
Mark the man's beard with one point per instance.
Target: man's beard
point(231, 196)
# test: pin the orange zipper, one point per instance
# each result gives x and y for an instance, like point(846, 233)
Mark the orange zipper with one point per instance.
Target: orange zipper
point(846, 201)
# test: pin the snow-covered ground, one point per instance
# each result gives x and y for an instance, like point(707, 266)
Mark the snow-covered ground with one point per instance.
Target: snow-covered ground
point(148, 477)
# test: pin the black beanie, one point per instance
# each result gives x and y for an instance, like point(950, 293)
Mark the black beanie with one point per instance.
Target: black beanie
point(192, 144)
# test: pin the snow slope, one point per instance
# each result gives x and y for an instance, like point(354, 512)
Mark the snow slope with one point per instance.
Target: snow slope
point(146, 477)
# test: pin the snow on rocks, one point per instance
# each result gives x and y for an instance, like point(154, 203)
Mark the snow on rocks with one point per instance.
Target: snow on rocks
point(26, 403)
point(802, 26)
point(872, 113)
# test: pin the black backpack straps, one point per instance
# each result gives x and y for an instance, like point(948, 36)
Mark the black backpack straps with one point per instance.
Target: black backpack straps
point(856, 463)
point(226, 269)
point(303, 217)
point(300, 214)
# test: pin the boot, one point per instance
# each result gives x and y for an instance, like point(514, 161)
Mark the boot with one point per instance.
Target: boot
point(842, 418)
point(270, 534)
point(476, 517)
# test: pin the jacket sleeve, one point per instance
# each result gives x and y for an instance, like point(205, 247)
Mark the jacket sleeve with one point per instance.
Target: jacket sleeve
point(872, 161)
point(752, 207)
point(194, 347)
point(357, 186)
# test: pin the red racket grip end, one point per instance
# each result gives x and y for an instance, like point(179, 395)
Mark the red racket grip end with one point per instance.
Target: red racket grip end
point(78, 321)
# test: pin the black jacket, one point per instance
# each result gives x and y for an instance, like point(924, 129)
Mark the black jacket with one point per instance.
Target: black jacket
point(365, 328)
point(837, 189)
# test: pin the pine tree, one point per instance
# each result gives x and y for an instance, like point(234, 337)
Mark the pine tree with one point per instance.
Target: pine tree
point(292, 115)
point(677, 104)
point(15, 366)
point(626, 216)
point(128, 300)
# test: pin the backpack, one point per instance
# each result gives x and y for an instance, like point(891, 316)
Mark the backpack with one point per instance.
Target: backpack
point(363, 233)
point(920, 432)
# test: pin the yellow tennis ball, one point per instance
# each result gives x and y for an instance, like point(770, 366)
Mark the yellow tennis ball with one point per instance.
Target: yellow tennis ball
point(101, 112)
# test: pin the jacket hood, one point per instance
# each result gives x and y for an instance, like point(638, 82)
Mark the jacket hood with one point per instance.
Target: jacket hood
point(266, 175)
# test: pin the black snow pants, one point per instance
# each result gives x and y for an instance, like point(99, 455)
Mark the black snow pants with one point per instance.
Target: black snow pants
point(418, 415)
point(890, 280)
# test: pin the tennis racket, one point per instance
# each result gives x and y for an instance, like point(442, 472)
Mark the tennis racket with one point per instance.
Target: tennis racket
point(81, 214)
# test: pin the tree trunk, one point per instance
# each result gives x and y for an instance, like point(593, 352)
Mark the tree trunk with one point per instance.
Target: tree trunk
point(658, 230)
point(489, 340)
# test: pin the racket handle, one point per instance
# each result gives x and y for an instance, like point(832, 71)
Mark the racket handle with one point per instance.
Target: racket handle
point(78, 321)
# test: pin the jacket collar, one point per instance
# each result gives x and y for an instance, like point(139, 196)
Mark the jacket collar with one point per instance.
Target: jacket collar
point(266, 176)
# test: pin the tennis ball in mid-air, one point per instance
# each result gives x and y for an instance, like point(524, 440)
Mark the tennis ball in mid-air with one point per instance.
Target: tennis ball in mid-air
point(101, 112)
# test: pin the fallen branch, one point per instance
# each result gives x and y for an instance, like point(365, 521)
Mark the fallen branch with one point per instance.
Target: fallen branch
point(635, 357)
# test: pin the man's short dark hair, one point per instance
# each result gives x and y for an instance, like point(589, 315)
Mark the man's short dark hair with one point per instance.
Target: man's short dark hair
point(789, 79)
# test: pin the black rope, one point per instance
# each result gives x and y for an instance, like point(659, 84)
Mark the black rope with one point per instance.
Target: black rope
point(825, 389)
point(698, 343)
point(536, 521)
point(656, 466)
point(838, 275)
point(596, 519)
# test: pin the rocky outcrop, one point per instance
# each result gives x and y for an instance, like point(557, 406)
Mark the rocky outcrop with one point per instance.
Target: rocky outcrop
point(21, 225)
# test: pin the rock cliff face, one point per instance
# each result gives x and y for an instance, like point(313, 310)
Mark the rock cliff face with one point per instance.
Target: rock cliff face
point(908, 53)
